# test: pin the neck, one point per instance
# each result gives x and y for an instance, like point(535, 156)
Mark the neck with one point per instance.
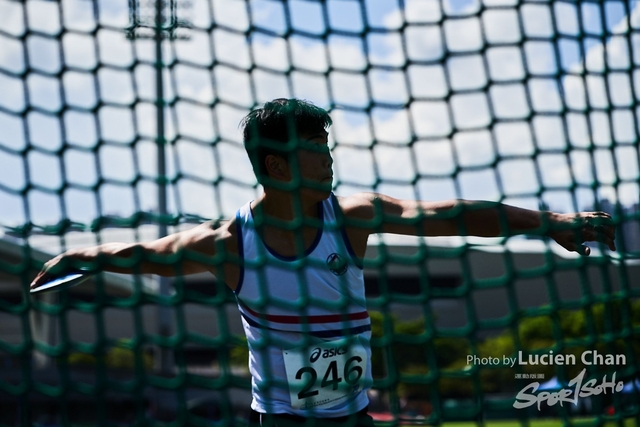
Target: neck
point(286, 206)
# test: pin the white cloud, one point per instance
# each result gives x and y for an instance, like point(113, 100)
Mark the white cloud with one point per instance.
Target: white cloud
point(466, 72)
point(270, 86)
point(354, 166)
point(545, 95)
point(85, 175)
point(474, 148)
point(514, 139)
point(44, 92)
point(116, 86)
point(435, 158)
point(424, 43)
point(421, 11)
point(270, 52)
point(234, 86)
point(391, 126)
point(116, 49)
point(526, 183)
point(193, 83)
point(117, 163)
point(115, 13)
point(394, 163)
point(427, 81)
point(540, 57)
point(12, 89)
point(351, 128)
point(79, 51)
point(508, 101)
point(347, 52)
point(463, 35)
point(11, 55)
point(605, 168)
point(349, 89)
point(385, 49)
point(537, 20)
point(627, 161)
point(557, 171)
point(78, 15)
point(471, 110)
point(309, 54)
point(43, 16)
point(12, 173)
point(195, 122)
point(44, 131)
point(12, 17)
point(312, 87)
point(501, 26)
point(430, 119)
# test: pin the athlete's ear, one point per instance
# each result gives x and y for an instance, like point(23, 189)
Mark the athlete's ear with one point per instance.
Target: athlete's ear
point(277, 167)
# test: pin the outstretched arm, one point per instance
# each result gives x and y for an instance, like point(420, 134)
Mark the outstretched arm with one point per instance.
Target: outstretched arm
point(183, 253)
point(368, 213)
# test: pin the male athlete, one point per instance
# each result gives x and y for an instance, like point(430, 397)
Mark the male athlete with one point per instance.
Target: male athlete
point(293, 257)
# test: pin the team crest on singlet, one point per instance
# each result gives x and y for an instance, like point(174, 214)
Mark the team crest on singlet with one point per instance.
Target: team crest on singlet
point(337, 264)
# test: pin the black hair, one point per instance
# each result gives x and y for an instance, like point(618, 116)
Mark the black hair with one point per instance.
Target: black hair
point(267, 130)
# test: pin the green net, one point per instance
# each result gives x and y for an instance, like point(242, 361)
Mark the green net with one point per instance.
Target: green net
point(108, 135)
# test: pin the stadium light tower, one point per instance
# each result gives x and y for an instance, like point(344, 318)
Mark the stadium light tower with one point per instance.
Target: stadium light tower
point(160, 20)
point(167, 18)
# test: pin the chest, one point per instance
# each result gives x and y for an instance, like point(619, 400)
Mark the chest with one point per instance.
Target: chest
point(326, 271)
point(290, 244)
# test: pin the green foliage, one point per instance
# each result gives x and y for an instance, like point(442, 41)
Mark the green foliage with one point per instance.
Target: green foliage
point(116, 357)
point(576, 331)
point(410, 350)
point(449, 351)
point(122, 358)
point(408, 353)
point(82, 359)
point(239, 354)
point(377, 324)
point(635, 313)
point(569, 332)
point(535, 329)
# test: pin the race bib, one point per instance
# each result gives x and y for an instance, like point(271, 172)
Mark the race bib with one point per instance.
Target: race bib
point(322, 375)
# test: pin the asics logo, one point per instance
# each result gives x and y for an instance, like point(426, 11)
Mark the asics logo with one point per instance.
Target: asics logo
point(327, 353)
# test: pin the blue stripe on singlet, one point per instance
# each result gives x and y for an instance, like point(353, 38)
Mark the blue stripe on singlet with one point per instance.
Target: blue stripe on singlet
point(240, 252)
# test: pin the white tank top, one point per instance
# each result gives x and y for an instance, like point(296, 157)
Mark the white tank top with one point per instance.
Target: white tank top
point(306, 321)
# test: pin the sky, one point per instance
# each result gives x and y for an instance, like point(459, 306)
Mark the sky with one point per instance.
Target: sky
point(430, 99)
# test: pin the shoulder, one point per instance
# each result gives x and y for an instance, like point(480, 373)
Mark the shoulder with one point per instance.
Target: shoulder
point(359, 205)
point(226, 231)
point(359, 214)
point(208, 236)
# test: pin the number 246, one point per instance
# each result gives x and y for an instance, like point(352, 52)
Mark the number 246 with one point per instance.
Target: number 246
point(330, 377)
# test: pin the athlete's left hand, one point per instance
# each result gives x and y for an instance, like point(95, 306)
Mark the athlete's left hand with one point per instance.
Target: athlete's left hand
point(572, 230)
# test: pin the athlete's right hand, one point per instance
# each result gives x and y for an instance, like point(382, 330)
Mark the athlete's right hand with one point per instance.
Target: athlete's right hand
point(53, 268)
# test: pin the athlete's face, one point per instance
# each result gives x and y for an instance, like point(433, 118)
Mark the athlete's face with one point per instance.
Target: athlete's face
point(311, 171)
point(314, 165)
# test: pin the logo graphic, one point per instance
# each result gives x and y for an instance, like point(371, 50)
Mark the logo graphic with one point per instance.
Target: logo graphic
point(328, 353)
point(315, 354)
point(550, 393)
point(527, 397)
point(337, 264)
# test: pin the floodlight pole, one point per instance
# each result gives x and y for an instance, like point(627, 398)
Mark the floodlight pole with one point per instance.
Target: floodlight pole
point(159, 28)
point(165, 355)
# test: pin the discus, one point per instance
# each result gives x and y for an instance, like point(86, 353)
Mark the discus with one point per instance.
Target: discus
point(65, 282)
